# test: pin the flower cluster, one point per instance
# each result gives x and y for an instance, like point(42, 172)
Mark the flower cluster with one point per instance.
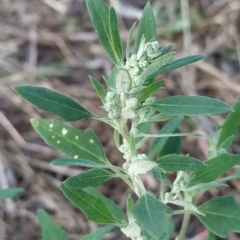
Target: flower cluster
point(137, 63)
point(111, 105)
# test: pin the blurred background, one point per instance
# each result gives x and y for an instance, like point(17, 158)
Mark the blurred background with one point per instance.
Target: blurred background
point(51, 43)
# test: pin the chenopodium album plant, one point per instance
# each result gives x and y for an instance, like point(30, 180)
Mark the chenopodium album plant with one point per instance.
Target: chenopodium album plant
point(131, 108)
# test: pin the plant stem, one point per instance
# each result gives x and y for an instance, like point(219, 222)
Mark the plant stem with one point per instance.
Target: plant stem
point(183, 230)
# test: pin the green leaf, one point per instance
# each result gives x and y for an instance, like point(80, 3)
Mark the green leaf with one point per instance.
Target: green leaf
point(191, 106)
point(160, 117)
point(50, 229)
point(130, 205)
point(105, 23)
point(175, 163)
point(159, 143)
point(215, 167)
point(165, 50)
point(142, 128)
point(54, 102)
point(129, 40)
point(176, 64)
point(225, 143)
point(150, 214)
point(172, 145)
point(206, 186)
point(168, 228)
point(72, 142)
point(93, 207)
point(147, 27)
point(90, 178)
point(235, 175)
point(211, 236)
point(79, 162)
point(112, 206)
point(222, 216)
point(111, 80)
point(99, 233)
point(149, 90)
point(10, 192)
point(230, 125)
point(115, 36)
point(99, 88)
point(156, 65)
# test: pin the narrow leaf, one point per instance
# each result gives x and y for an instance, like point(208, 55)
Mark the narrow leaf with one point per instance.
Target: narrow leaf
point(222, 216)
point(93, 207)
point(54, 102)
point(230, 126)
point(101, 15)
point(50, 229)
point(114, 36)
point(175, 163)
point(99, 233)
point(90, 178)
point(99, 88)
point(176, 64)
point(10, 192)
point(130, 205)
point(235, 175)
point(160, 117)
point(150, 214)
point(191, 106)
point(72, 142)
point(79, 162)
point(206, 186)
point(156, 65)
point(147, 27)
point(165, 50)
point(149, 90)
point(159, 143)
point(111, 80)
point(129, 40)
point(215, 167)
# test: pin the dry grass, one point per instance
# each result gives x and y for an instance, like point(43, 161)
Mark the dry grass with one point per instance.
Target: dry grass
point(51, 43)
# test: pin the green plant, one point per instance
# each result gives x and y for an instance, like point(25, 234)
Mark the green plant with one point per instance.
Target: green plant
point(131, 109)
point(10, 192)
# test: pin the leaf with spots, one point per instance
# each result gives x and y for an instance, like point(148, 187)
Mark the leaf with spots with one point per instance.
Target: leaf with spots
point(74, 143)
point(54, 102)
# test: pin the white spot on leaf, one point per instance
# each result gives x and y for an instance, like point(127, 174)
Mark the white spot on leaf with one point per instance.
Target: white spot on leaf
point(64, 131)
point(75, 157)
point(51, 125)
point(91, 141)
point(76, 137)
point(58, 142)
